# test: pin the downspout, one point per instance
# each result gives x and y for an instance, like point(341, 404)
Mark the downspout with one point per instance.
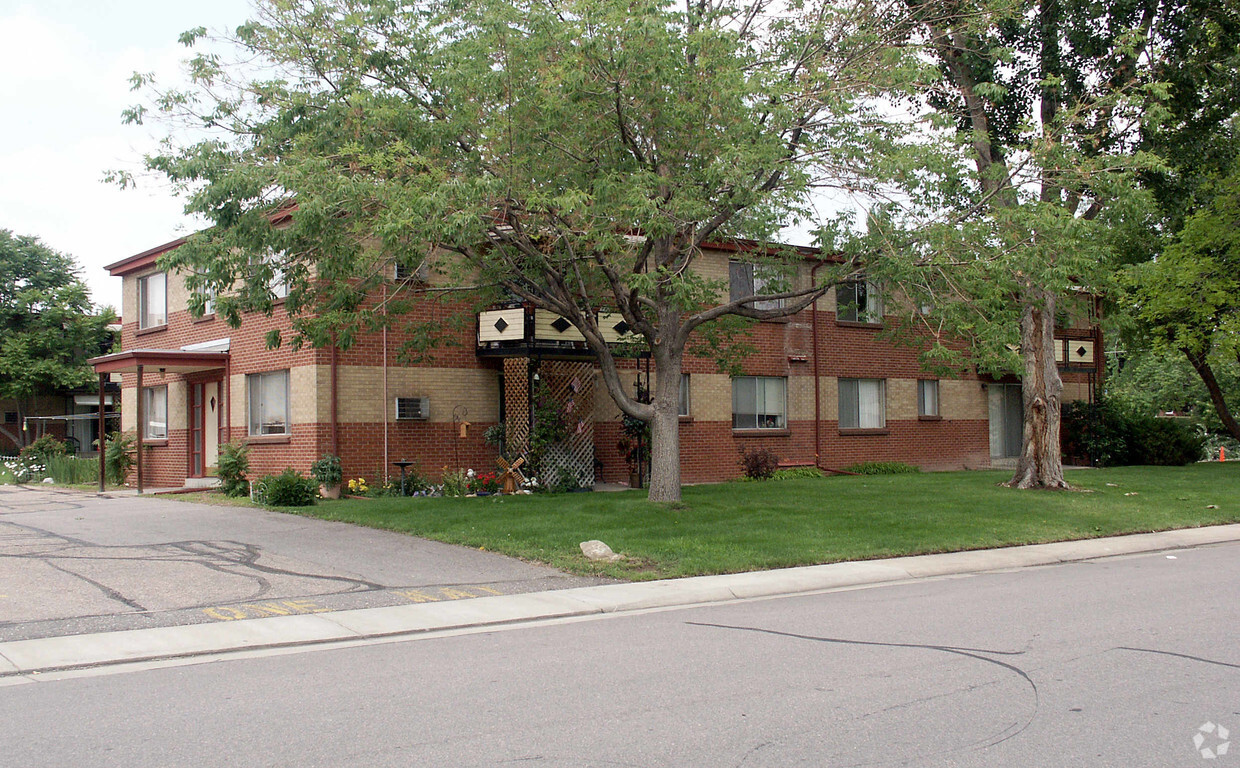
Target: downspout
point(334, 424)
point(817, 384)
point(385, 385)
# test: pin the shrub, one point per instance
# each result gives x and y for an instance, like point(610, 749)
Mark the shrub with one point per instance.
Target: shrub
point(327, 470)
point(484, 482)
point(1113, 435)
point(118, 457)
point(791, 473)
point(455, 483)
point(759, 464)
point(882, 468)
point(233, 463)
point(287, 489)
point(73, 470)
point(43, 448)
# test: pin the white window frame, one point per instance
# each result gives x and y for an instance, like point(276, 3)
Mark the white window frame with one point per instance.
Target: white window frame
point(684, 404)
point(753, 280)
point(146, 318)
point(259, 421)
point(853, 394)
point(761, 398)
point(155, 413)
point(848, 307)
point(928, 405)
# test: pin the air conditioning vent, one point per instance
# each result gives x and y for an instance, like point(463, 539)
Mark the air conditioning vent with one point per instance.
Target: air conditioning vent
point(419, 274)
point(413, 408)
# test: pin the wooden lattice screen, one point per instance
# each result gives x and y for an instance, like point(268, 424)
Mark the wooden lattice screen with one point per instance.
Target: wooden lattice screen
point(571, 386)
point(516, 406)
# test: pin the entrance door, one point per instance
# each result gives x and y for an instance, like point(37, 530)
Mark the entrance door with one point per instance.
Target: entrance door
point(204, 431)
point(1007, 421)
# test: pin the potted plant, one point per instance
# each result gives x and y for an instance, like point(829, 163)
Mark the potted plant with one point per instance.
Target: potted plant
point(327, 471)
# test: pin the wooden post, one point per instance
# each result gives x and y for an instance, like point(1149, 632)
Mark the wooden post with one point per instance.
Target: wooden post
point(141, 430)
point(103, 377)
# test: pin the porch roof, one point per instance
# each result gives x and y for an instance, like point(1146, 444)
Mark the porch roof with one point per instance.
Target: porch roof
point(172, 360)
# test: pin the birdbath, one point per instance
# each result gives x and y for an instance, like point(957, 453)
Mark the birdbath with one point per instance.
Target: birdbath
point(403, 464)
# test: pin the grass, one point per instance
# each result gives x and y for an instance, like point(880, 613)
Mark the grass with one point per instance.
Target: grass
point(760, 525)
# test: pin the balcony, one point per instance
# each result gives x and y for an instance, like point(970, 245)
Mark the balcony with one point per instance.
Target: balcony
point(525, 331)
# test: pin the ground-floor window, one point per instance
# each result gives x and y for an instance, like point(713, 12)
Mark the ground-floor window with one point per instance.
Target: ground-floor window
point(759, 402)
point(155, 413)
point(928, 397)
point(683, 409)
point(863, 403)
point(268, 394)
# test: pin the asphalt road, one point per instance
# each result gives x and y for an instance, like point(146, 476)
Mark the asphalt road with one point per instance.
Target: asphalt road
point(1129, 661)
point(72, 563)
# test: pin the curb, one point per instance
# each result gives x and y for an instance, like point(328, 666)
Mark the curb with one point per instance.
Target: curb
point(24, 657)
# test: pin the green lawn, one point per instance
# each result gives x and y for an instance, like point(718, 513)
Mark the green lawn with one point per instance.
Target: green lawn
point(751, 526)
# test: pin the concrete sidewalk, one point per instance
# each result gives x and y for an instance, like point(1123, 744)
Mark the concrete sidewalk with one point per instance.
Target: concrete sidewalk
point(24, 657)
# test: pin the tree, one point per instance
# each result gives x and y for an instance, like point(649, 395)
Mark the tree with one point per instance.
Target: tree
point(1011, 196)
point(50, 326)
point(575, 155)
point(1189, 297)
point(1183, 286)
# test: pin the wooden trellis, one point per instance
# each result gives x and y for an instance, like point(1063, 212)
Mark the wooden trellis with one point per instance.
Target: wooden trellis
point(570, 385)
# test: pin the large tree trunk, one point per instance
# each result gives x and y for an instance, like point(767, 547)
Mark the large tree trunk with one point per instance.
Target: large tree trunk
point(1202, 366)
point(1040, 464)
point(665, 430)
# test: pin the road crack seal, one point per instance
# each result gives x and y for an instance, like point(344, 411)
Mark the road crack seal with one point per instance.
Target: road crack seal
point(973, 653)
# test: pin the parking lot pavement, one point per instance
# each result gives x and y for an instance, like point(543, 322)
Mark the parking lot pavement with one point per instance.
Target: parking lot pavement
point(73, 563)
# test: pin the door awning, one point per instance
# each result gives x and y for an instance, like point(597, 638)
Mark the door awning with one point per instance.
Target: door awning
point(164, 360)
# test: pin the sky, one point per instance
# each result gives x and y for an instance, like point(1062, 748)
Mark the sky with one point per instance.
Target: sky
point(64, 80)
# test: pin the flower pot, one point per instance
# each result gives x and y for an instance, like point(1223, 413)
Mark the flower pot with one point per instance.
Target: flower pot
point(330, 491)
point(635, 480)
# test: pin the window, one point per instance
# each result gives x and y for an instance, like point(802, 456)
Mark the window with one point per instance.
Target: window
point(155, 413)
point(268, 403)
point(683, 410)
point(153, 300)
point(927, 397)
point(208, 300)
point(279, 278)
point(752, 279)
point(863, 403)
point(859, 302)
point(10, 417)
point(759, 402)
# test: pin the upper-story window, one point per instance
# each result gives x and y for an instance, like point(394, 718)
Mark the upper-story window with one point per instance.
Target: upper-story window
point(745, 279)
point(279, 280)
point(153, 300)
point(859, 302)
point(208, 300)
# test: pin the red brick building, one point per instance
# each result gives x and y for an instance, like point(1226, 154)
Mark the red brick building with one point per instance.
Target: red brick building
point(820, 388)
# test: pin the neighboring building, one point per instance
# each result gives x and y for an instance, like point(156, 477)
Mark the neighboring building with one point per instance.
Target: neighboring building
point(70, 416)
point(820, 382)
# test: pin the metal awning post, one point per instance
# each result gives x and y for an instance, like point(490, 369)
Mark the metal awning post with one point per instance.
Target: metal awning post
point(103, 377)
point(141, 430)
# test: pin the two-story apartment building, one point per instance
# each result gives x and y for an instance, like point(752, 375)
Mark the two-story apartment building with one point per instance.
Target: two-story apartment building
point(820, 388)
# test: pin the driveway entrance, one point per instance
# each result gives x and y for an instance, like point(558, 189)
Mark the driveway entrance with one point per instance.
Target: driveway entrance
point(72, 563)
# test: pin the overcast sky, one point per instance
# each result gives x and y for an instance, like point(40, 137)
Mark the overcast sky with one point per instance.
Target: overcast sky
point(64, 71)
point(64, 80)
